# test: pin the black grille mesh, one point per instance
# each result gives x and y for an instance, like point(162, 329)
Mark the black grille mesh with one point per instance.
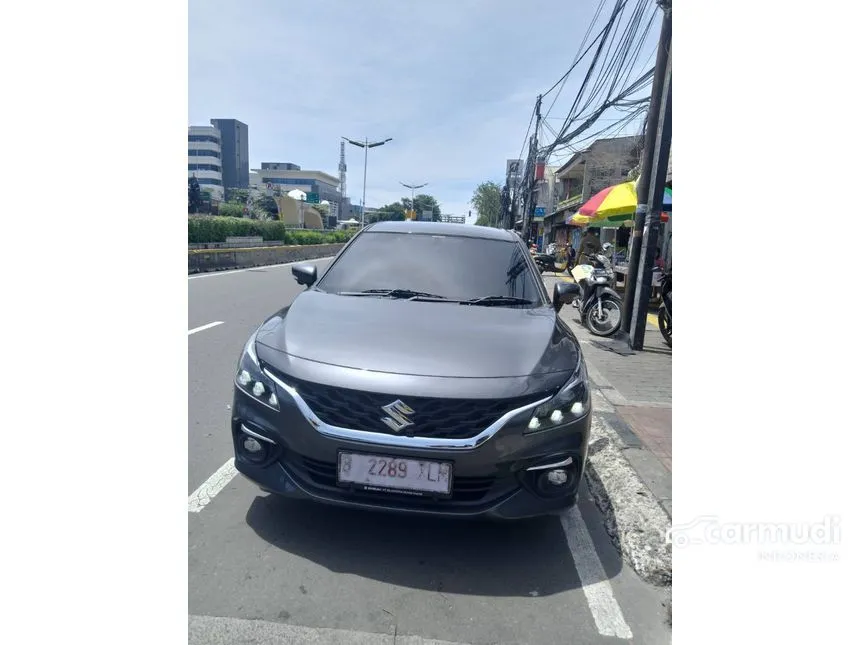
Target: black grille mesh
point(433, 417)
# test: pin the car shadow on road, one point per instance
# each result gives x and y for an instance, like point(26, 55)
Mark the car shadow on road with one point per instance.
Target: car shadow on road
point(527, 558)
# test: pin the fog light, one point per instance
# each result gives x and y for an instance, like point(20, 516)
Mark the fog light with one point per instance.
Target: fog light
point(258, 389)
point(577, 409)
point(244, 377)
point(534, 424)
point(273, 400)
point(252, 445)
point(557, 477)
point(555, 417)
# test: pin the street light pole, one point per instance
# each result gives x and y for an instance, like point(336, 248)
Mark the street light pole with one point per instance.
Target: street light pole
point(365, 145)
point(413, 195)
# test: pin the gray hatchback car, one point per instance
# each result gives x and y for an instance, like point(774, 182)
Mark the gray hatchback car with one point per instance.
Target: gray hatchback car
point(425, 371)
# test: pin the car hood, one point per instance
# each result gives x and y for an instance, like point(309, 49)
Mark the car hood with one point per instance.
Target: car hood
point(421, 338)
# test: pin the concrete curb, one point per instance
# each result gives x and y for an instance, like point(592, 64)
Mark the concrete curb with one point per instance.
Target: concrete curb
point(205, 260)
point(635, 520)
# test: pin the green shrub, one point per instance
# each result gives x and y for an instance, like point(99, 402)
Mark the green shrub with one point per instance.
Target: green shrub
point(317, 237)
point(305, 237)
point(230, 210)
point(205, 229)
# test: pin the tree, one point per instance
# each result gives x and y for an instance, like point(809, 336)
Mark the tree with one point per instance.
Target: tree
point(394, 212)
point(237, 196)
point(487, 200)
point(195, 199)
point(424, 203)
point(266, 205)
point(322, 209)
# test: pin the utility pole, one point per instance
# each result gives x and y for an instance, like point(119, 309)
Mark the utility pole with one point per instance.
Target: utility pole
point(365, 145)
point(655, 109)
point(503, 216)
point(657, 189)
point(528, 198)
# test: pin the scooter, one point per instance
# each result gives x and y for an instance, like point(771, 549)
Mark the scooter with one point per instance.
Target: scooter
point(602, 262)
point(553, 263)
point(544, 262)
point(598, 303)
point(664, 314)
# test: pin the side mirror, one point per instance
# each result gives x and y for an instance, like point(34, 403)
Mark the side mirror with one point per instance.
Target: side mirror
point(305, 274)
point(563, 294)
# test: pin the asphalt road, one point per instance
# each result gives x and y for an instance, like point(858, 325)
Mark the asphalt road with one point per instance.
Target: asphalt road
point(263, 569)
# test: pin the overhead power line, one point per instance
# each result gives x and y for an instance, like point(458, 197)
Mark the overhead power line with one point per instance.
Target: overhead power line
point(576, 58)
point(616, 59)
point(619, 5)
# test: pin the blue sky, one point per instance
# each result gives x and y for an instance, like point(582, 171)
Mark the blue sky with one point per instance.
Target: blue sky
point(452, 81)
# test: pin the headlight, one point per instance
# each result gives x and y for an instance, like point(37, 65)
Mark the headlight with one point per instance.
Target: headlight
point(251, 380)
point(601, 279)
point(572, 402)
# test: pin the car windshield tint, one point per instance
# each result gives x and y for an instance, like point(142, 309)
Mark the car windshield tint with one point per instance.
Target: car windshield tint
point(455, 268)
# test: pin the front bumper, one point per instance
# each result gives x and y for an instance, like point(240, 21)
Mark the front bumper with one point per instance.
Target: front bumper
point(490, 480)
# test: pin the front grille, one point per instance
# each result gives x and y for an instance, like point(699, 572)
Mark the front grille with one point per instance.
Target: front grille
point(433, 417)
point(463, 489)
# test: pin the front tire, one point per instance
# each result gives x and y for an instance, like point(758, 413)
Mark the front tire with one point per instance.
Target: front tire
point(609, 323)
point(665, 324)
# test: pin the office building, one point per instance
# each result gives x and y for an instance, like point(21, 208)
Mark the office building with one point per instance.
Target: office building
point(235, 164)
point(204, 159)
point(289, 176)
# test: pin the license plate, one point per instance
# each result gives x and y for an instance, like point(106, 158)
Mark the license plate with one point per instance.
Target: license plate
point(379, 473)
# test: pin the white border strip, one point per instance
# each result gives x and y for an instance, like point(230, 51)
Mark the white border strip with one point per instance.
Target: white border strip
point(604, 608)
point(198, 500)
point(205, 327)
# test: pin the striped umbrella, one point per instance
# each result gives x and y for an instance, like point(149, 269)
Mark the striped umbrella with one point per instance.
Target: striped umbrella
point(615, 205)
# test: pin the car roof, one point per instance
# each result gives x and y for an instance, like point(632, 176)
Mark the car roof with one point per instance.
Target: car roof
point(439, 228)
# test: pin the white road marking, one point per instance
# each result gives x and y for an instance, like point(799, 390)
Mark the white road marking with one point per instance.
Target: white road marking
point(204, 327)
point(213, 274)
point(209, 630)
point(604, 608)
point(198, 500)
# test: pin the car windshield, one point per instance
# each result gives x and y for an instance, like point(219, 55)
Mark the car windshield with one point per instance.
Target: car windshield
point(435, 267)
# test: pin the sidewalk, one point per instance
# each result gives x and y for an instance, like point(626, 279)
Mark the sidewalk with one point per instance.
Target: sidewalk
point(632, 394)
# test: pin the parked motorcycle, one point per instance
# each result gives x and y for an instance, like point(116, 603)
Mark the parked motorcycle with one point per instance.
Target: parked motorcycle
point(602, 262)
point(598, 303)
point(555, 263)
point(664, 314)
point(544, 262)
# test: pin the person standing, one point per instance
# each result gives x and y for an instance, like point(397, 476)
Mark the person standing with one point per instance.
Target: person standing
point(590, 245)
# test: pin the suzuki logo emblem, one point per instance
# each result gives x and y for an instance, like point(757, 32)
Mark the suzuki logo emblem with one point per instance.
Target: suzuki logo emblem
point(398, 415)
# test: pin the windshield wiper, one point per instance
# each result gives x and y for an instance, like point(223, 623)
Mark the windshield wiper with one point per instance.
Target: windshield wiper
point(407, 294)
point(491, 301)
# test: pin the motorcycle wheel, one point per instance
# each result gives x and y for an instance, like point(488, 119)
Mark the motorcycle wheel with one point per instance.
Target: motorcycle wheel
point(665, 324)
point(607, 325)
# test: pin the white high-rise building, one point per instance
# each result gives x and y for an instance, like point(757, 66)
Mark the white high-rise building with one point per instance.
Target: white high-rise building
point(204, 159)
